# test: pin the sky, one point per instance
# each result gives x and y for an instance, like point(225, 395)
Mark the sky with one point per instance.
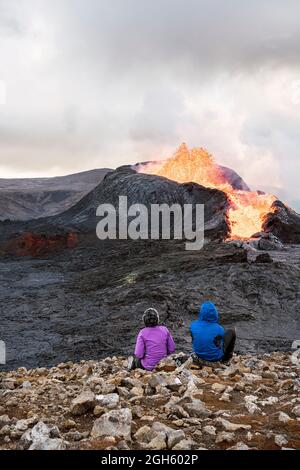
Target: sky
point(101, 83)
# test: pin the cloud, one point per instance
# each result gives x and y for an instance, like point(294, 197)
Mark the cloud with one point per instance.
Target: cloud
point(103, 83)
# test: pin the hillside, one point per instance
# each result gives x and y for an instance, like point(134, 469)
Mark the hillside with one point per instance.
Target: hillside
point(25, 199)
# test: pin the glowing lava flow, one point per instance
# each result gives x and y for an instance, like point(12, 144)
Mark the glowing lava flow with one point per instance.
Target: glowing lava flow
point(247, 209)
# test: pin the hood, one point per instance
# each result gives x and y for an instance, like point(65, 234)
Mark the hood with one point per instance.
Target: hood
point(209, 313)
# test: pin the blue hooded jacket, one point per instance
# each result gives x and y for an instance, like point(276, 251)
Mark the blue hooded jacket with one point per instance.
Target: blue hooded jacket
point(207, 334)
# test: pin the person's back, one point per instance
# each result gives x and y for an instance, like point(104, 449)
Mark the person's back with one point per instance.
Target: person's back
point(154, 343)
point(207, 334)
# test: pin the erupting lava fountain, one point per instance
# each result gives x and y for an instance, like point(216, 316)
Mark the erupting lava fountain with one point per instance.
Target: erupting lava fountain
point(248, 209)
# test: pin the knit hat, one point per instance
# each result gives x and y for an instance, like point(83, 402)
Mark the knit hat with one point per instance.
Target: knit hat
point(151, 317)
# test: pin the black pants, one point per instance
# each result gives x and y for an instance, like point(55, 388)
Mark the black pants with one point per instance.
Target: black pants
point(137, 364)
point(229, 344)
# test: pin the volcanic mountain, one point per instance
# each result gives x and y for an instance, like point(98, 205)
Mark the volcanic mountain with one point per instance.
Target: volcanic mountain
point(26, 199)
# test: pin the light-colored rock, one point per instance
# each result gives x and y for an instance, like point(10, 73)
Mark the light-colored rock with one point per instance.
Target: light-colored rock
point(218, 388)
point(137, 392)
point(174, 384)
point(116, 423)
point(22, 425)
point(185, 444)
point(197, 409)
point(225, 397)
point(283, 417)
point(43, 437)
point(225, 436)
point(239, 446)
point(174, 436)
point(250, 404)
point(232, 427)
point(4, 420)
point(144, 434)
point(269, 401)
point(157, 380)
point(159, 442)
point(84, 403)
point(267, 374)
point(109, 401)
point(49, 444)
point(280, 440)
point(211, 430)
point(296, 410)
point(26, 384)
point(252, 378)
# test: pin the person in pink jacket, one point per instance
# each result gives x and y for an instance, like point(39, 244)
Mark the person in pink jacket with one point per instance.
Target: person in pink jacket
point(154, 342)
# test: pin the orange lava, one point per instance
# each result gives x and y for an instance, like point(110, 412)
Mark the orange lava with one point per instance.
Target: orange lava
point(247, 209)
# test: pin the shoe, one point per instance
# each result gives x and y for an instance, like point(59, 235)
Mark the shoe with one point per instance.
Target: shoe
point(130, 362)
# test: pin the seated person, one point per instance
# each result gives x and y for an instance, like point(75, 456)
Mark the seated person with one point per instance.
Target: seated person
point(154, 343)
point(210, 341)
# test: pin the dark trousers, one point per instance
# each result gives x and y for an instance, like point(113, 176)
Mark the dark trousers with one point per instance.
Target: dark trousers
point(137, 364)
point(229, 344)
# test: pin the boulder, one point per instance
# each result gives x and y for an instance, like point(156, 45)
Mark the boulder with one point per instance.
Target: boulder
point(174, 436)
point(43, 437)
point(109, 401)
point(239, 446)
point(159, 442)
point(211, 430)
point(49, 444)
point(185, 444)
point(283, 417)
point(197, 409)
point(218, 388)
point(225, 437)
point(4, 420)
point(296, 411)
point(280, 440)
point(116, 423)
point(84, 403)
point(232, 427)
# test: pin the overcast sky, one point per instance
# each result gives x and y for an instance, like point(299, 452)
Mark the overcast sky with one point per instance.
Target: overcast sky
point(100, 83)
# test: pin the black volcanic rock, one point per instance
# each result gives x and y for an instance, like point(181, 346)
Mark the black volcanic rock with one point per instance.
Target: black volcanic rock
point(284, 223)
point(147, 189)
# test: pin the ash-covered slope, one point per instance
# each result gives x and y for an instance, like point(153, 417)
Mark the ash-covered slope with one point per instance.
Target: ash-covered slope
point(32, 198)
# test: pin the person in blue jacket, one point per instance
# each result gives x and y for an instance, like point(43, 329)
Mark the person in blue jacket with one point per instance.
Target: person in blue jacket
point(210, 341)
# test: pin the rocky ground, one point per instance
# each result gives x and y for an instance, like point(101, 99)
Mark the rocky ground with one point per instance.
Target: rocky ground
point(253, 403)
